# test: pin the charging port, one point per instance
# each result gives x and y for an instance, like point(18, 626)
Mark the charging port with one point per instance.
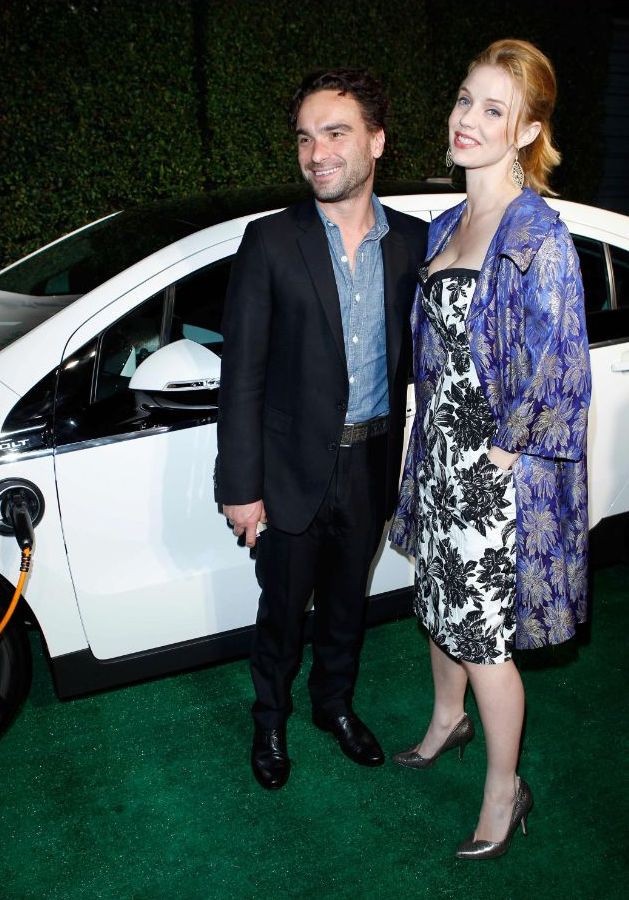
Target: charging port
point(21, 509)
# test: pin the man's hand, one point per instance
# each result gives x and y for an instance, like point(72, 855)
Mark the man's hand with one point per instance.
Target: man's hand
point(244, 519)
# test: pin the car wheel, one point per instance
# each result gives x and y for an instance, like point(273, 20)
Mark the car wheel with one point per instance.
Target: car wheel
point(16, 668)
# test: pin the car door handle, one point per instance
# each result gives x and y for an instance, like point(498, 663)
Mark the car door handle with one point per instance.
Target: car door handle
point(623, 365)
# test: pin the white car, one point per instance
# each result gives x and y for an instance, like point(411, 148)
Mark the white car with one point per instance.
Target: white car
point(109, 369)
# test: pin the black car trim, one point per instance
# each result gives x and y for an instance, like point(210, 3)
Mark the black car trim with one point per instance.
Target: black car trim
point(134, 435)
point(80, 673)
point(30, 442)
point(612, 342)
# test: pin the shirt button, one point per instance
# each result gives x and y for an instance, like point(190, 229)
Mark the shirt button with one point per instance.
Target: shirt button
point(343, 259)
point(355, 339)
point(341, 405)
point(332, 445)
point(357, 298)
point(352, 379)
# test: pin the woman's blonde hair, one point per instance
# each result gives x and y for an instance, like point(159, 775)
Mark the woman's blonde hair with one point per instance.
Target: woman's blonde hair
point(534, 76)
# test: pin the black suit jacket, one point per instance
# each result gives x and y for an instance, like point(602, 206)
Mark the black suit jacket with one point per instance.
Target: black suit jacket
point(284, 383)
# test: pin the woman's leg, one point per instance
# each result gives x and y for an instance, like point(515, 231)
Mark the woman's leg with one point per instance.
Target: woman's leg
point(450, 680)
point(500, 698)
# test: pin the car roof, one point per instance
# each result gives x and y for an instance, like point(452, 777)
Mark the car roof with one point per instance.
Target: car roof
point(223, 204)
point(116, 242)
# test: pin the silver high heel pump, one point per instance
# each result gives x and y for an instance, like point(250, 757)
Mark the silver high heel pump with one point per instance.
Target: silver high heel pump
point(471, 849)
point(460, 736)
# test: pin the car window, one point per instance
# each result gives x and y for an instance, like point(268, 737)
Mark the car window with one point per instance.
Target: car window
point(198, 306)
point(194, 307)
point(620, 265)
point(190, 308)
point(594, 273)
point(127, 343)
point(28, 426)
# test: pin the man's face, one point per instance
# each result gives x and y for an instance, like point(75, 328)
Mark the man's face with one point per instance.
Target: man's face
point(336, 151)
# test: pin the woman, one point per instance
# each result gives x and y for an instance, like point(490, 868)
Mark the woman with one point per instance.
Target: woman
point(493, 502)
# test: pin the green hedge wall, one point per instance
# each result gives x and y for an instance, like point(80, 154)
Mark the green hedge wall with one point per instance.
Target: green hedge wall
point(257, 61)
point(100, 110)
point(112, 102)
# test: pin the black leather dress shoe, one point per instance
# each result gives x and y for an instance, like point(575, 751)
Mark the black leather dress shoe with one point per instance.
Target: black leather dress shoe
point(355, 739)
point(269, 757)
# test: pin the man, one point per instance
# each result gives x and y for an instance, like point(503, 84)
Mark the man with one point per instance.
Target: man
point(312, 407)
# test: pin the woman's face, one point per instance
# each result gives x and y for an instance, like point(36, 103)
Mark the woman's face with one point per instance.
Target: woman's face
point(481, 126)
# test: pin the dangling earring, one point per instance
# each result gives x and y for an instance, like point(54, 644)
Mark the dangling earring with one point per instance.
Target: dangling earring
point(517, 172)
point(449, 160)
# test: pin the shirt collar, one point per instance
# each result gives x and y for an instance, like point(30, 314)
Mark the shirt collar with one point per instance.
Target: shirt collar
point(376, 232)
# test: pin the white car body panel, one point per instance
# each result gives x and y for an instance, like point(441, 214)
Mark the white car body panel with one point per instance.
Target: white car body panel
point(49, 588)
point(152, 567)
point(608, 430)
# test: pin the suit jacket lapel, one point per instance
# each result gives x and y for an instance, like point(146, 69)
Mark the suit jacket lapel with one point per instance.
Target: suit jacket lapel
point(395, 263)
point(315, 250)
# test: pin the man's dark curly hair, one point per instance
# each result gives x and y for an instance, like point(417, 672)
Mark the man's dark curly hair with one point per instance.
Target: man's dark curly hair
point(363, 87)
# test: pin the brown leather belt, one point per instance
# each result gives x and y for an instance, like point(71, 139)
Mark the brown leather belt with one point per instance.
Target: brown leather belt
point(362, 431)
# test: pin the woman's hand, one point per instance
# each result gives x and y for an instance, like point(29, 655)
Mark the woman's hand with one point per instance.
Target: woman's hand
point(501, 458)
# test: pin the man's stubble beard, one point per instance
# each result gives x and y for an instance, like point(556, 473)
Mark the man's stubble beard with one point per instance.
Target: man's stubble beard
point(351, 187)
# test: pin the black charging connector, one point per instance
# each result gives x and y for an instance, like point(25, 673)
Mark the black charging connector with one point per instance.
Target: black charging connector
point(20, 516)
point(21, 509)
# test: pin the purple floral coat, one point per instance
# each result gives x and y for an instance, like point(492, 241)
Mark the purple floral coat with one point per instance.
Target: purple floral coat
point(528, 342)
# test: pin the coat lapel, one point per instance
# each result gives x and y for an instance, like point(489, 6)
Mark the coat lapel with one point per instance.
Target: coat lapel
point(519, 236)
point(441, 230)
point(395, 264)
point(313, 244)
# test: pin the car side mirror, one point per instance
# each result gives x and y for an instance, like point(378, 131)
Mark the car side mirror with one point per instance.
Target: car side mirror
point(182, 367)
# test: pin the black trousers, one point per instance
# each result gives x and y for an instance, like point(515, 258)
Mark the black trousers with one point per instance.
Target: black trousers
point(331, 558)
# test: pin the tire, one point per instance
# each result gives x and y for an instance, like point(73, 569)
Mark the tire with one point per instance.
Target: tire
point(16, 668)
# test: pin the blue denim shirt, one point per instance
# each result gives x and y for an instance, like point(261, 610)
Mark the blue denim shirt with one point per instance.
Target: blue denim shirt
point(361, 295)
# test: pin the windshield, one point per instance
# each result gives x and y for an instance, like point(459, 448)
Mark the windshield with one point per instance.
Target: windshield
point(36, 288)
point(19, 314)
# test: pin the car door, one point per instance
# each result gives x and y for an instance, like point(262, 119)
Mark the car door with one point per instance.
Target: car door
point(152, 560)
point(605, 271)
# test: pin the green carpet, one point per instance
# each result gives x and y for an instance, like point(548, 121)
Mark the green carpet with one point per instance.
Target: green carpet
point(146, 792)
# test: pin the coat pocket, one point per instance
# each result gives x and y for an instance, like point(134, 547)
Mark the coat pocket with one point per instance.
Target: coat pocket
point(494, 471)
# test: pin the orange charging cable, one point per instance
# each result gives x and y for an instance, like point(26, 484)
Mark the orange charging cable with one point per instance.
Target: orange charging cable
point(24, 567)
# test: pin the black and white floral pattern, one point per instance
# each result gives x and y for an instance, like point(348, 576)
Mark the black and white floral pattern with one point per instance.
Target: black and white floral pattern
point(465, 571)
